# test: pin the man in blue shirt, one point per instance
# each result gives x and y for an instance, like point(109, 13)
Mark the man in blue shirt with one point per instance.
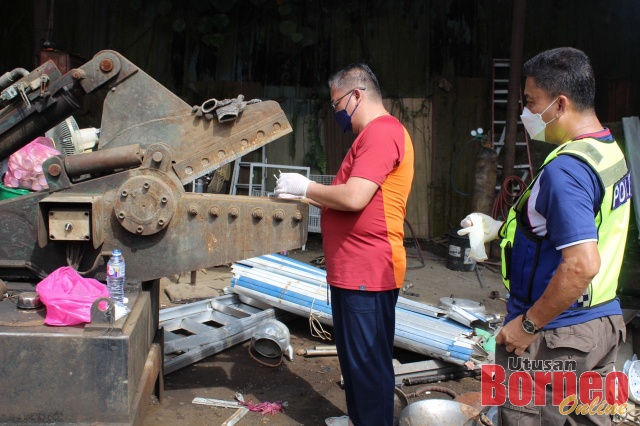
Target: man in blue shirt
point(562, 249)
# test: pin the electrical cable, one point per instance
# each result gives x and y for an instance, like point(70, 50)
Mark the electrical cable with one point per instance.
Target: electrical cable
point(99, 261)
point(316, 328)
point(416, 244)
point(510, 191)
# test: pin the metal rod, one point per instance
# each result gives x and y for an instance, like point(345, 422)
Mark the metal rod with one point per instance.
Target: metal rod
point(441, 377)
point(103, 161)
point(216, 402)
point(318, 352)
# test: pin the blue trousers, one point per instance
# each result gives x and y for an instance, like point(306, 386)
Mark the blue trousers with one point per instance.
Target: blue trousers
point(363, 327)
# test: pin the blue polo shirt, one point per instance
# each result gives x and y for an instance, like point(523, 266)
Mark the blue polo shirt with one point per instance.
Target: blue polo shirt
point(561, 208)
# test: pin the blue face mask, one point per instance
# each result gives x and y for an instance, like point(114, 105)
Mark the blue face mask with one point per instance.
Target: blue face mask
point(344, 119)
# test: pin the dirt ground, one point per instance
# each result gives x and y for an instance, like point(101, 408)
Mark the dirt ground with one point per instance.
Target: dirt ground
point(310, 386)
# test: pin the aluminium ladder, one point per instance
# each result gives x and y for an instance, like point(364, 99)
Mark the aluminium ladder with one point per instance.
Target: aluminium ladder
point(522, 164)
point(198, 330)
point(250, 187)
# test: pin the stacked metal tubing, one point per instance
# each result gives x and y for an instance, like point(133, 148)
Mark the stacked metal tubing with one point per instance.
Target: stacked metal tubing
point(301, 289)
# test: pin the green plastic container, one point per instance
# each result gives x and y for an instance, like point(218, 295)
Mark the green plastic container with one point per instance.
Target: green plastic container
point(7, 193)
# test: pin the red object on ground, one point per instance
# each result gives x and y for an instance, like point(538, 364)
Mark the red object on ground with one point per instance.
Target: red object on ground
point(265, 407)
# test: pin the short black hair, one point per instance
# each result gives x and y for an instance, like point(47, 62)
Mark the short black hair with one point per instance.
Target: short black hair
point(356, 75)
point(564, 71)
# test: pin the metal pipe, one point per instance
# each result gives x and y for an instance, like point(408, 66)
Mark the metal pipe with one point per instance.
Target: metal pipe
point(104, 160)
point(317, 352)
point(440, 377)
point(10, 77)
point(325, 347)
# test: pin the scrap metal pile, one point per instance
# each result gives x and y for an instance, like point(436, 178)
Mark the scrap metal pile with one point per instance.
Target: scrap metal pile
point(296, 287)
point(455, 339)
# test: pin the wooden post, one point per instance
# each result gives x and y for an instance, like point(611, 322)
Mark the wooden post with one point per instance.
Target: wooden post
point(513, 95)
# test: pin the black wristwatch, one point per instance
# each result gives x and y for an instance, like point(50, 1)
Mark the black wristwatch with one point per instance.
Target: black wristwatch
point(529, 326)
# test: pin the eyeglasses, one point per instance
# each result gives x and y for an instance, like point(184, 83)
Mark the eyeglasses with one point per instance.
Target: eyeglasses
point(335, 103)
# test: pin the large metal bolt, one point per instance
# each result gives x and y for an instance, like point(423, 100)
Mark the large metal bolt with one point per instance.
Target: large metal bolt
point(193, 209)
point(157, 156)
point(278, 215)
point(214, 211)
point(139, 229)
point(234, 212)
point(160, 222)
point(124, 193)
point(121, 215)
point(68, 226)
point(77, 74)
point(297, 216)
point(145, 185)
point(257, 213)
point(164, 200)
point(106, 65)
point(54, 170)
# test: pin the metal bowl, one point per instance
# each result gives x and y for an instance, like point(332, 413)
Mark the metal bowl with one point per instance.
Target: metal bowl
point(439, 412)
point(29, 300)
point(400, 401)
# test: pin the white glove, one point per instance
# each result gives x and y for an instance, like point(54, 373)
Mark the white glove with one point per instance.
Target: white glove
point(292, 183)
point(490, 226)
point(481, 229)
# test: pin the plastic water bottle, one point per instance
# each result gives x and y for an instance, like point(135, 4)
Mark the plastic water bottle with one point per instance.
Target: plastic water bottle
point(116, 276)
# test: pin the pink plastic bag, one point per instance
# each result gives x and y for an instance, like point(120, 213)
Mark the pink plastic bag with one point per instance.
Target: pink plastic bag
point(25, 165)
point(68, 296)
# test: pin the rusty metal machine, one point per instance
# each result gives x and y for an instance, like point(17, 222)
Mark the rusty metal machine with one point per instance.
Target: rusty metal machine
point(128, 193)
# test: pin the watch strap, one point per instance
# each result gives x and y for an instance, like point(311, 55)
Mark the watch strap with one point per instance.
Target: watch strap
point(528, 321)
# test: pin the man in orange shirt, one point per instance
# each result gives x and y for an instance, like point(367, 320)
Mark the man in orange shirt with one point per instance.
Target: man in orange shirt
point(363, 214)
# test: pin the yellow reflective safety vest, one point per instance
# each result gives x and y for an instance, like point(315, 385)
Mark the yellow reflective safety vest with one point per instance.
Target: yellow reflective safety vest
point(611, 221)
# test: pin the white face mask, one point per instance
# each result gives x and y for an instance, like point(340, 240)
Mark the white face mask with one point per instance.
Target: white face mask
point(534, 123)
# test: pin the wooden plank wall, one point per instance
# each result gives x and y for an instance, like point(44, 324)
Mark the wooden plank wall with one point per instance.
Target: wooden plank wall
point(460, 105)
point(410, 45)
point(439, 128)
point(416, 116)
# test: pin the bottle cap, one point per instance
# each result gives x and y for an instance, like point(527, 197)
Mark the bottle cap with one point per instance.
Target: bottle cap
point(116, 252)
